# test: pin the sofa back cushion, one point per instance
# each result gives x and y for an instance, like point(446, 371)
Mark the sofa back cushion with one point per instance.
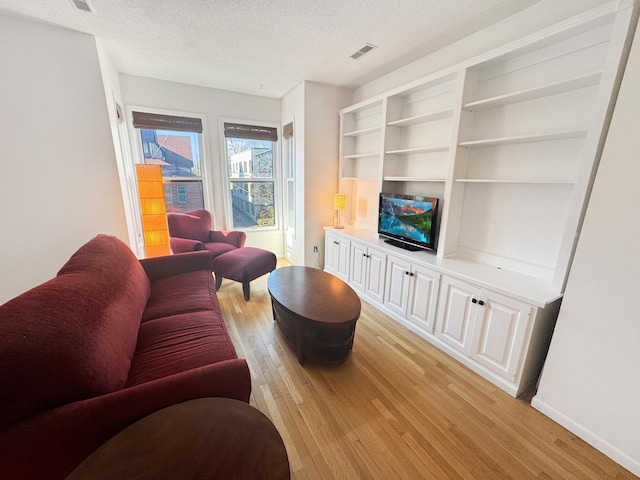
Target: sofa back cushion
point(73, 337)
point(195, 225)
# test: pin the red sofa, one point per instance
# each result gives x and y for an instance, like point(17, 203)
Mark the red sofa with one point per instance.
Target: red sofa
point(106, 342)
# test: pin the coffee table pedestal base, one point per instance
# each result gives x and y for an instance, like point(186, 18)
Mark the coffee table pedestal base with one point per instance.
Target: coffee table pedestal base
point(317, 342)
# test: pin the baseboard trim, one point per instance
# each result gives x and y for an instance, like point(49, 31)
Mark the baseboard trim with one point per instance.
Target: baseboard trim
point(588, 436)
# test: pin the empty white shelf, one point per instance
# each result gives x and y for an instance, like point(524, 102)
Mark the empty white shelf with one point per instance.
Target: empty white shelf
point(540, 137)
point(363, 131)
point(406, 151)
point(424, 118)
point(586, 80)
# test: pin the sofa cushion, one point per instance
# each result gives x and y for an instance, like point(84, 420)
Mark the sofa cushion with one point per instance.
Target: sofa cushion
point(182, 293)
point(72, 337)
point(171, 345)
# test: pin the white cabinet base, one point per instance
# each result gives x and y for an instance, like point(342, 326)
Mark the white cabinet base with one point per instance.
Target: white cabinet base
point(498, 333)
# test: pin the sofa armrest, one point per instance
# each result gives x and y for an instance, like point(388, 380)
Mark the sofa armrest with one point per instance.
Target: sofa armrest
point(162, 267)
point(233, 237)
point(183, 245)
point(60, 439)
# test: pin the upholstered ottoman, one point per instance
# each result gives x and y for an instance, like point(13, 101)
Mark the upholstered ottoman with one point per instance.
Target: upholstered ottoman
point(243, 265)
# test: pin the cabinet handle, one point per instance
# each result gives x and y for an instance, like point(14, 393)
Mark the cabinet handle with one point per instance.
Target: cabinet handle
point(411, 274)
point(473, 300)
point(480, 302)
point(364, 254)
point(337, 243)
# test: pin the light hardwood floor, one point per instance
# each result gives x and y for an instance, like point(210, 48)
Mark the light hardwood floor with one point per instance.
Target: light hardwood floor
point(398, 408)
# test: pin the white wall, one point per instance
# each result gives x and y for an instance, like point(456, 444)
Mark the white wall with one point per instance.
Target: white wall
point(322, 133)
point(314, 108)
point(60, 181)
point(214, 103)
point(293, 109)
point(530, 20)
point(590, 379)
point(120, 138)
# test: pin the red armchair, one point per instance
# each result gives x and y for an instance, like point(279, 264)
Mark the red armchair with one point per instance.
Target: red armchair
point(192, 231)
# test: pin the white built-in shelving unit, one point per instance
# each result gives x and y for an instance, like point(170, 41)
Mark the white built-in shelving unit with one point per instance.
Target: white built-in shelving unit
point(509, 143)
point(361, 137)
point(417, 141)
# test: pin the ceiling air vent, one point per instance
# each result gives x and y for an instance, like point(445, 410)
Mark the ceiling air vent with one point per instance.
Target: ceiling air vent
point(367, 48)
point(83, 5)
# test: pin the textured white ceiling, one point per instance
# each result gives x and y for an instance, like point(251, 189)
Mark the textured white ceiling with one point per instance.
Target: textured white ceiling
point(267, 47)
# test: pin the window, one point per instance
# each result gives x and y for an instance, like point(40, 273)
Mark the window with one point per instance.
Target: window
point(182, 194)
point(174, 143)
point(289, 191)
point(250, 151)
point(290, 159)
point(168, 195)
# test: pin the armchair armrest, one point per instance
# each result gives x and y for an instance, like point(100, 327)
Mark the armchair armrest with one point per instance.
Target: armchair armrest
point(182, 245)
point(233, 237)
point(162, 267)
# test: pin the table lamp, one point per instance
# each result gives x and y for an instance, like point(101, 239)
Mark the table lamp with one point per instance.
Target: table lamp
point(339, 204)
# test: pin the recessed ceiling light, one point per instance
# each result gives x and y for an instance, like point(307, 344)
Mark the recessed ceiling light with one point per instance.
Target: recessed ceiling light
point(367, 48)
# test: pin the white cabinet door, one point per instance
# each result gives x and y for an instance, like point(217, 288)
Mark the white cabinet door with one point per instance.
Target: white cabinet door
point(412, 292)
point(500, 331)
point(456, 313)
point(331, 244)
point(423, 298)
point(342, 267)
point(368, 267)
point(491, 328)
point(358, 274)
point(397, 285)
point(376, 269)
point(336, 256)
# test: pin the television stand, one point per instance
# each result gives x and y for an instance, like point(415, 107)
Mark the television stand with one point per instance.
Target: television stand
point(406, 246)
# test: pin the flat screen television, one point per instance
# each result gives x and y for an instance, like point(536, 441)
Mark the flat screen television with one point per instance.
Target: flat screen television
point(408, 221)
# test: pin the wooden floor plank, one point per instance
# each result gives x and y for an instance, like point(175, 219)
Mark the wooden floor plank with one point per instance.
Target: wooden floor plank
point(397, 408)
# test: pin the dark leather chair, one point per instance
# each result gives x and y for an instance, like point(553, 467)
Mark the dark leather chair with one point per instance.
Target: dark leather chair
point(192, 231)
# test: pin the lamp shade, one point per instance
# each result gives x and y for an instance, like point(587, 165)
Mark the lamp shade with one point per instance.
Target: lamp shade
point(153, 210)
point(339, 201)
point(148, 173)
point(153, 206)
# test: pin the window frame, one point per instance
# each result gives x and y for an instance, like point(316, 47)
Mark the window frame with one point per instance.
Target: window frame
point(138, 155)
point(169, 200)
point(276, 179)
point(289, 181)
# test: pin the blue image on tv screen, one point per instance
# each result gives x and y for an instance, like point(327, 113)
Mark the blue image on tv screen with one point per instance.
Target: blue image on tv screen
point(410, 219)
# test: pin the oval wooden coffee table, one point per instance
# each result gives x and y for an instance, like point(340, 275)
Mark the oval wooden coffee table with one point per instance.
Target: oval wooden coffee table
point(315, 311)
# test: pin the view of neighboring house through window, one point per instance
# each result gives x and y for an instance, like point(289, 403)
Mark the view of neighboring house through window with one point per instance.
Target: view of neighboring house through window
point(250, 151)
point(174, 145)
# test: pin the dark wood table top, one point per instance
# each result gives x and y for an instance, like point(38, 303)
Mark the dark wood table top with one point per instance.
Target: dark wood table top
point(314, 295)
point(203, 439)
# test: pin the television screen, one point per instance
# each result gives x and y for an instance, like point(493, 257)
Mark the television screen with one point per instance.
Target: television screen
point(408, 220)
